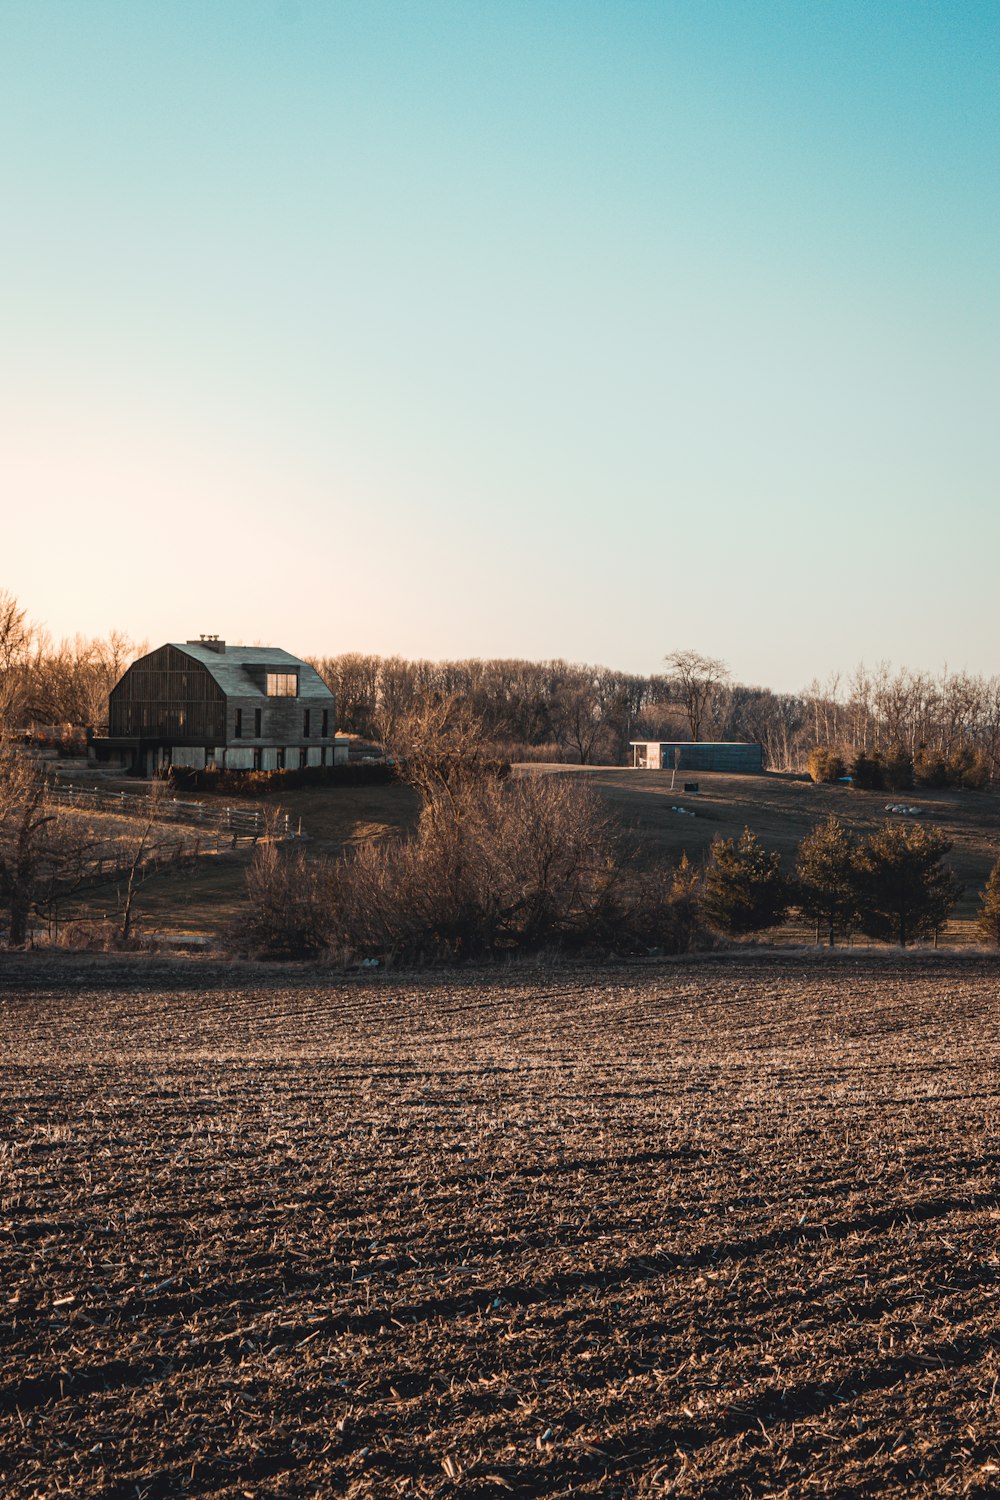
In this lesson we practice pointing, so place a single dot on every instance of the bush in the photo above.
(825, 764)
(494, 868)
(103, 935)
(262, 783)
(491, 869)
(988, 922)
(967, 768)
(930, 768)
(897, 770)
(866, 772)
(288, 905)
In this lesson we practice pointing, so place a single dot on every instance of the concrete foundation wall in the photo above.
(192, 756)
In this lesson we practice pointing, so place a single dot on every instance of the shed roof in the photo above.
(232, 668)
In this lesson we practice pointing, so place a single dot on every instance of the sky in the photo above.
(592, 330)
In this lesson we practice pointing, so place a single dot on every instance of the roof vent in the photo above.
(210, 642)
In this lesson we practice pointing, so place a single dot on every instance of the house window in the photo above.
(256, 723)
(303, 759)
(282, 685)
(238, 731)
(305, 725)
(326, 722)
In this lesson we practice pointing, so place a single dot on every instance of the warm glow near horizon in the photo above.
(531, 330)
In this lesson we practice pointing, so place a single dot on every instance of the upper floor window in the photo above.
(238, 731)
(282, 684)
(306, 718)
(326, 722)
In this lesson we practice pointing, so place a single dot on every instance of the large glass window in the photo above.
(282, 684)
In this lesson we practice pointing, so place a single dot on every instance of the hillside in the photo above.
(781, 810)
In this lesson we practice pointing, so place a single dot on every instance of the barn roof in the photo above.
(233, 669)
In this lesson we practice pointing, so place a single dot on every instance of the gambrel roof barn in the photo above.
(198, 703)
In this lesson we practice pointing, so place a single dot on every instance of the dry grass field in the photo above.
(727, 1227)
(780, 810)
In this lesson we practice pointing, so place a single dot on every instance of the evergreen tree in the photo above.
(745, 890)
(827, 879)
(866, 772)
(989, 912)
(897, 769)
(904, 889)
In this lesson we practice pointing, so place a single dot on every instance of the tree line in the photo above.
(56, 684)
(905, 727)
(945, 728)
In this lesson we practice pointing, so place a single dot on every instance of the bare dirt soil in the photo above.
(727, 1227)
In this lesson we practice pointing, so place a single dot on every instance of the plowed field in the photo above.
(719, 1228)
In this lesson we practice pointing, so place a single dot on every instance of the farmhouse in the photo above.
(204, 703)
(697, 755)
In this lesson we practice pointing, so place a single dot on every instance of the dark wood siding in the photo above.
(168, 696)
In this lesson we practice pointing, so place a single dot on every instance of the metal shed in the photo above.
(698, 755)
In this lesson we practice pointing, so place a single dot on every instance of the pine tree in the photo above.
(904, 889)
(827, 879)
(745, 890)
(989, 912)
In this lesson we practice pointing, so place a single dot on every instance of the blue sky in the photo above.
(506, 329)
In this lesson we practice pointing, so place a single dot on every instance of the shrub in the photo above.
(897, 770)
(288, 905)
(825, 764)
(867, 772)
(988, 922)
(745, 890)
(262, 783)
(930, 768)
(491, 868)
(494, 868)
(967, 768)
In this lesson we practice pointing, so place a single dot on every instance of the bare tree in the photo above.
(697, 679)
(17, 635)
(441, 748)
(43, 852)
(144, 856)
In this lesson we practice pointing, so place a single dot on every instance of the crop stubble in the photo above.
(721, 1228)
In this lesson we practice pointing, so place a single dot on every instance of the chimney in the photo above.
(211, 643)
